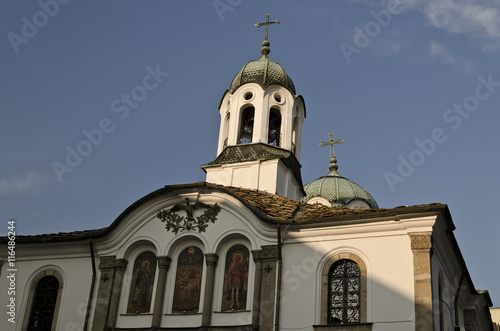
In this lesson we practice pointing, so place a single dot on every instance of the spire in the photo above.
(333, 158)
(265, 44)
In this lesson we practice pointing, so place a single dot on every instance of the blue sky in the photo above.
(413, 88)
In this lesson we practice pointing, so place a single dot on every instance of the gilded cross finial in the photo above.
(267, 23)
(333, 159)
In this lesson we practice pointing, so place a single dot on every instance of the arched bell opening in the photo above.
(225, 132)
(274, 133)
(295, 135)
(245, 133)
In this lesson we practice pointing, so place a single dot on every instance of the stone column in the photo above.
(163, 265)
(119, 267)
(421, 246)
(268, 288)
(206, 318)
(108, 294)
(257, 257)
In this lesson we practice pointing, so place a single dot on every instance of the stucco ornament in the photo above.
(177, 223)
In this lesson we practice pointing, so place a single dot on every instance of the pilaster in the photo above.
(257, 257)
(163, 265)
(421, 246)
(268, 287)
(108, 294)
(211, 261)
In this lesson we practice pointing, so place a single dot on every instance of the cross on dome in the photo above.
(265, 44)
(333, 158)
(267, 23)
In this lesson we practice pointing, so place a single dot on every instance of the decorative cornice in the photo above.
(211, 259)
(257, 255)
(421, 242)
(270, 252)
(163, 262)
(110, 262)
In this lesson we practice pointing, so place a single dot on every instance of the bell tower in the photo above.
(260, 130)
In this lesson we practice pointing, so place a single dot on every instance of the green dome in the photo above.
(263, 72)
(335, 188)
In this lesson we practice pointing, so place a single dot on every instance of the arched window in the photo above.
(246, 126)
(141, 287)
(188, 279)
(344, 282)
(344, 290)
(295, 134)
(274, 134)
(44, 304)
(234, 292)
(226, 130)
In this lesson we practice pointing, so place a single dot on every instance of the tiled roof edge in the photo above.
(343, 213)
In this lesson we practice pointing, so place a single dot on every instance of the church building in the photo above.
(252, 247)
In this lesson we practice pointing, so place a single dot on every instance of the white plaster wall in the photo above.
(269, 176)
(76, 270)
(389, 263)
(220, 175)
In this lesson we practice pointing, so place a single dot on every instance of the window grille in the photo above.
(44, 304)
(344, 293)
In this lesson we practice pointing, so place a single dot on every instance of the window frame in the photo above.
(325, 287)
(31, 296)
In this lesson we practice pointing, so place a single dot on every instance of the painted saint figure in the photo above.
(236, 278)
(141, 289)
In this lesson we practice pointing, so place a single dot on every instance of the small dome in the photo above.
(338, 190)
(263, 72)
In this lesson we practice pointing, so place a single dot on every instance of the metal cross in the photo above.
(331, 142)
(267, 23)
